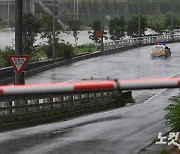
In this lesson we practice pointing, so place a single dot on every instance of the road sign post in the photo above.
(19, 62)
(21, 78)
(18, 35)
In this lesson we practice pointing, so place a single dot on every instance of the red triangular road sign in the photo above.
(18, 62)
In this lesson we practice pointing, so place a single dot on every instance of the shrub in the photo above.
(122, 100)
(165, 151)
(86, 48)
(4, 61)
(173, 113)
(61, 50)
(39, 55)
(64, 50)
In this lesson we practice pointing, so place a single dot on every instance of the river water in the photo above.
(8, 38)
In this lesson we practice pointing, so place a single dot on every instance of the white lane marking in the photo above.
(154, 96)
(175, 74)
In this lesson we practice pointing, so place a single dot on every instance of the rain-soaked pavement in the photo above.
(120, 131)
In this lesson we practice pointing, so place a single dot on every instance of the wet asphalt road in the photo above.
(120, 131)
(135, 63)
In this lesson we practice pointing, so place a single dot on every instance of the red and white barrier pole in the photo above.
(58, 87)
(91, 86)
(149, 83)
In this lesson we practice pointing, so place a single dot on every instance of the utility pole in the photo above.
(102, 24)
(25, 10)
(19, 79)
(53, 55)
(77, 11)
(139, 20)
(172, 19)
(8, 16)
(74, 10)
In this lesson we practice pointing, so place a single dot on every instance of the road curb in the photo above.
(144, 149)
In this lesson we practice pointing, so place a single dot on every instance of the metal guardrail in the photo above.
(38, 98)
(140, 41)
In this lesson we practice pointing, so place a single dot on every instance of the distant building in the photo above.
(39, 7)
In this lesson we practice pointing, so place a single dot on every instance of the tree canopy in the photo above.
(133, 25)
(117, 28)
(30, 29)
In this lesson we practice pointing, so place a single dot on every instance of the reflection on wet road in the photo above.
(135, 63)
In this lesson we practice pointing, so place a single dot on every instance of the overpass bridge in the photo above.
(39, 7)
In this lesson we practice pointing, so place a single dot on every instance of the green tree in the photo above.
(30, 29)
(173, 113)
(4, 61)
(96, 27)
(132, 25)
(47, 32)
(169, 18)
(158, 27)
(1, 21)
(117, 28)
(74, 26)
(1, 18)
(65, 50)
(167, 21)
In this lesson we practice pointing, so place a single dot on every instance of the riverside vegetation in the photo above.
(117, 28)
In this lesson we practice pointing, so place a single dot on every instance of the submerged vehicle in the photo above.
(160, 49)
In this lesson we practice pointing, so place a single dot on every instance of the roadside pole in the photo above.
(172, 20)
(53, 54)
(139, 22)
(19, 79)
(102, 24)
